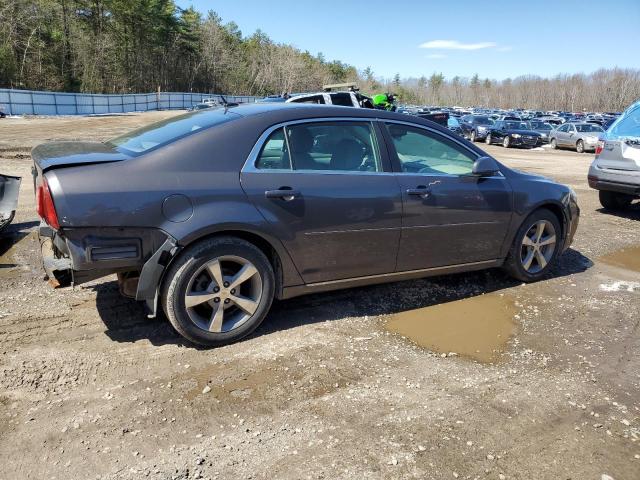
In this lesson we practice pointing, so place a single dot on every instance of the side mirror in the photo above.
(485, 167)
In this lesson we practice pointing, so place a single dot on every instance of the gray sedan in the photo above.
(213, 214)
(582, 137)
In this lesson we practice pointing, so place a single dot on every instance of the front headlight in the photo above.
(516, 135)
(482, 129)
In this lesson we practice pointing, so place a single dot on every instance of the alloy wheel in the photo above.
(538, 246)
(223, 294)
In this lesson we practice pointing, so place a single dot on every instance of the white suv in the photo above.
(615, 171)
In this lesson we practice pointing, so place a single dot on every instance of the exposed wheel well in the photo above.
(557, 211)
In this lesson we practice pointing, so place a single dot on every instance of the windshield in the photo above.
(542, 126)
(517, 125)
(589, 128)
(161, 133)
(482, 121)
(628, 125)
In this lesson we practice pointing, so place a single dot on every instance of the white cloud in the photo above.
(436, 55)
(456, 45)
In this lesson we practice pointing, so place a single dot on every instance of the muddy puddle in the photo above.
(627, 258)
(477, 328)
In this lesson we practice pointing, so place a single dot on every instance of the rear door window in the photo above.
(333, 146)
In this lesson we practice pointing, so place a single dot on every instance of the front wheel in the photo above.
(580, 146)
(488, 139)
(473, 135)
(506, 143)
(535, 247)
(218, 291)
(553, 143)
(614, 200)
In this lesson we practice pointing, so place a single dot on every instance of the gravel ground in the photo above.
(89, 388)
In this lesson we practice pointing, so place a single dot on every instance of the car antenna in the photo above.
(225, 103)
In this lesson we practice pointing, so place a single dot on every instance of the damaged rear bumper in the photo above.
(138, 256)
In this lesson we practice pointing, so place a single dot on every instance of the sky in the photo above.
(496, 39)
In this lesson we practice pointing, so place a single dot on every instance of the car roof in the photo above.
(291, 111)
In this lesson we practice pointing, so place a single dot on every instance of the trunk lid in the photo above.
(70, 154)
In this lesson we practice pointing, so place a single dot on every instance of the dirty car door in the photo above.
(323, 188)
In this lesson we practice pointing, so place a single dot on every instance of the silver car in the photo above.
(582, 137)
(615, 171)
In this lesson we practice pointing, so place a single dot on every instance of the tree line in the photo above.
(124, 46)
(601, 91)
(132, 46)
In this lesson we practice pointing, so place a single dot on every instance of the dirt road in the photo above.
(89, 388)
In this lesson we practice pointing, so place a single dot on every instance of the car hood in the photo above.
(57, 154)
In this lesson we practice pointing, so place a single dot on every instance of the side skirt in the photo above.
(298, 290)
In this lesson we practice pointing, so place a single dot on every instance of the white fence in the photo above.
(29, 102)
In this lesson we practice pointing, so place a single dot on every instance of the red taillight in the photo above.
(599, 147)
(44, 204)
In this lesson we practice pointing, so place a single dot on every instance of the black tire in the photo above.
(5, 223)
(580, 146)
(192, 260)
(488, 139)
(472, 137)
(553, 144)
(513, 264)
(614, 200)
(506, 142)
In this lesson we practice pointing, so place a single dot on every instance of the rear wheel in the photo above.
(553, 143)
(473, 135)
(614, 200)
(218, 291)
(535, 247)
(506, 142)
(580, 146)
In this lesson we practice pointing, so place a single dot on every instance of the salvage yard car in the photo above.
(9, 189)
(212, 214)
(582, 136)
(615, 170)
(513, 133)
(475, 127)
